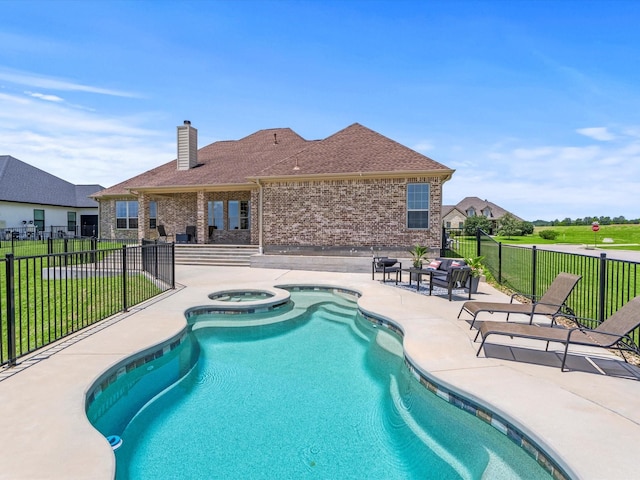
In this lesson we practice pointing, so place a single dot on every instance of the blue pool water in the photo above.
(324, 394)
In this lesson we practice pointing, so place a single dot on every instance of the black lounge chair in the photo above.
(552, 303)
(386, 266)
(612, 333)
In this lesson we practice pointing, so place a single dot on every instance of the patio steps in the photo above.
(217, 255)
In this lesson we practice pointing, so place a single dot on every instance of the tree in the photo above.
(526, 228)
(509, 226)
(472, 224)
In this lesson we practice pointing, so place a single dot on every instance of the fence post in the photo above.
(534, 269)
(124, 278)
(173, 266)
(603, 287)
(499, 263)
(478, 242)
(11, 310)
(49, 245)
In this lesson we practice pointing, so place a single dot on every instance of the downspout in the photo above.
(260, 239)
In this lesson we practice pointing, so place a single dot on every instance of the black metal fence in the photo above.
(44, 298)
(606, 284)
(24, 247)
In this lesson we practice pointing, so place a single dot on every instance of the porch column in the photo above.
(201, 218)
(143, 220)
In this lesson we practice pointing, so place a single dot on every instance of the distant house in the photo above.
(34, 203)
(454, 216)
(353, 191)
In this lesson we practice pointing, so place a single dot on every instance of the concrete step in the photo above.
(218, 255)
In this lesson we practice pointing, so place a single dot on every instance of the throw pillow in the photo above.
(434, 264)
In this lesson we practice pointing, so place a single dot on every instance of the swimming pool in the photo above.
(323, 394)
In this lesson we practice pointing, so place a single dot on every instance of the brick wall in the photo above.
(360, 213)
(107, 214)
(369, 212)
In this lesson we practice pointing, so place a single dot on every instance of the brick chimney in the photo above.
(187, 146)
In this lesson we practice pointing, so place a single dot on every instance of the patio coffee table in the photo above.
(419, 272)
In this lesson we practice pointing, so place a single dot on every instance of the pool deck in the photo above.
(589, 420)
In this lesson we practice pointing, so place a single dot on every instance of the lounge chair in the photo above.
(612, 333)
(552, 303)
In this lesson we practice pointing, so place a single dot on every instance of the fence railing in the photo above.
(44, 298)
(43, 246)
(606, 284)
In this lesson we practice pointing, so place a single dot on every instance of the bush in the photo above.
(548, 234)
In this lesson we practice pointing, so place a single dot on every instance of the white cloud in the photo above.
(80, 146)
(42, 81)
(42, 96)
(423, 147)
(597, 133)
(548, 182)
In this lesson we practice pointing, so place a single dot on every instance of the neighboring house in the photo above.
(454, 216)
(353, 191)
(34, 203)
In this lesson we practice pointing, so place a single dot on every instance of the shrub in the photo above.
(548, 234)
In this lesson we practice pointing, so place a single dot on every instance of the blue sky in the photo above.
(535, 104)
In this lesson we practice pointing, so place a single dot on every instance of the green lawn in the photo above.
(583, 235)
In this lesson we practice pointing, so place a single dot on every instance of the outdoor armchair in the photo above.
(612, 333)
(386, 266)
(456, 278)
(552, 303)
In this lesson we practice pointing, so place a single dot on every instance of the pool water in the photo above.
(322, 395)
(240, 296)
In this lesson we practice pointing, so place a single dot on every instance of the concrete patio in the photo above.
(587, 419)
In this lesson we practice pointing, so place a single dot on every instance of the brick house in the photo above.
(454, 216)
(353, 192)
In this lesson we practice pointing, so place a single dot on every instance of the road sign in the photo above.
(595, 227)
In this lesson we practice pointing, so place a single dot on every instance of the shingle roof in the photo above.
(221, 163)
(355, 149)
(24, 183)
(479, 205)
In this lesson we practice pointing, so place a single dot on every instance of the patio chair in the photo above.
(552, 303)
(456, 278)
(612, 333)
(386, 266)
(162, 232)
(191, 234)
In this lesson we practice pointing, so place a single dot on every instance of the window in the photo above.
(127, 214)
(38, 219)
(71, 221)
(487, 212)
(238, 215)
(153, 214)
(418, 205)
(471, 212)
(216, 214)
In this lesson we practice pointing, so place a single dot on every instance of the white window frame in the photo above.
(418, 201)
(131, 222)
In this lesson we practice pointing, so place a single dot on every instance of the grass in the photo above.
(47, 310)
(583, 235)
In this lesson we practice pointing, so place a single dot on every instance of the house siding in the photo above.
(346, 213)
